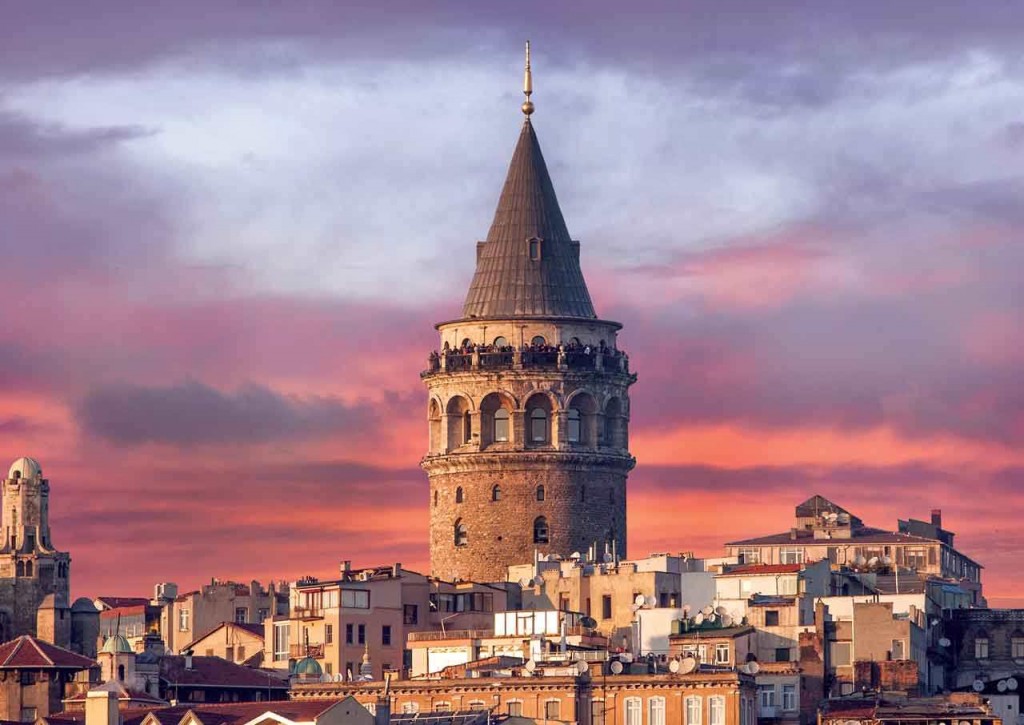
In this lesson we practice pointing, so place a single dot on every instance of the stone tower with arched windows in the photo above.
(528, 398)
(34, 576)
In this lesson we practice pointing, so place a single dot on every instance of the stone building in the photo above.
(195, 613)
(528, 403)
(36, 676)
(34, 575)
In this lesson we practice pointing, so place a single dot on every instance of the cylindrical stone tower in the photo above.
(528, 398)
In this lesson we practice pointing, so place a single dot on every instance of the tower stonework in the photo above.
(528, 405)
(34, 576)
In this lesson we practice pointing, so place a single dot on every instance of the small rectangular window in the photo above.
(515, 708)
(789, 697)
(771, 618)
(535, 250)
(328, 633)
(349, 634)
(362, 634)
(411, 613)
(782, 654)
(552, 709)
(606, 606)
(385, 635)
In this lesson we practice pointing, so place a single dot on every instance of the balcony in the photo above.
(575, 359)
(298, 651)
(437, 635)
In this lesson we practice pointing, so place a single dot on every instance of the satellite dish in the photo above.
(720, 610)
(944, 642)
(582, 666)
(608, 558)
(686, 609)
(859, 561)
(727, 620)
(338, 677)
(588, 622)
(687, 666)
(575, 556)
(1001, 685)
(934, 622)
(978, 685)
(1011, 683)
(707, 611)
(873, 561)
(673, 666)
(753, 668)
(699, 619)
(616, 667)
(524, 583)
(325, 677)
(530, 665)
(538, 581)
(640, 600)
(886, 560)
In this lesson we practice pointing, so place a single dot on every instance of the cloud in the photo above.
(191, 413)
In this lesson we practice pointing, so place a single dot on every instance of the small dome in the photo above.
(117, 645)
(84, 604)
(308, 667)
(25, 467)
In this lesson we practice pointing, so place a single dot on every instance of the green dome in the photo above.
(117, 645)
(308, 667)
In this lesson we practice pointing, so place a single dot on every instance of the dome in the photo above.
(117, 645)
(308, 667)
(25, 467)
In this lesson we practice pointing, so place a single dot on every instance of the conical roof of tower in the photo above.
(509, 280)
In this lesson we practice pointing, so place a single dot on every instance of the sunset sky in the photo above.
(227, 229)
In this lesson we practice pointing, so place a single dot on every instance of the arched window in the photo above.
(500, 341)
(535, 249)
(538, 425)
(458, 422)
(467, 427)
(540, 530)
(538, 340)
(501, 425)
(540, 492)
(435, 497)
(461, 535)
(496, 492)
(459, 495)
(575, 431)
(466, 342)
(28, 568)
(120, 673)
(19, 569)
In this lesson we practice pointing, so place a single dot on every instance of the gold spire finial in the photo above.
(528, 84)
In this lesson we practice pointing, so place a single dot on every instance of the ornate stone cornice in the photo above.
(565, 460)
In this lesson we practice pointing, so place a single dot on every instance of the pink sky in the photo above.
(227, 235)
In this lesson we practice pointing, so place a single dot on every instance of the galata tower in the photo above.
(529, 396)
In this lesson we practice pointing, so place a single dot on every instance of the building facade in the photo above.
(528, 404)
(193, 614)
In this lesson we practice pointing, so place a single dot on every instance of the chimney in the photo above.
(396, 570)
(937, 518)
(346, 568)
(188, 659)
(792, 534)
(382, 715)
(101, 708)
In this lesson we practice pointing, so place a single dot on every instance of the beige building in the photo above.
(824, 531)
(241, 643)
(193, 614)
(372, 612)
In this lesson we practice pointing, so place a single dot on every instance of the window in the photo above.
(540, 492)
(477, 705)
(782, 654)
(442, 706)
(981, 648)
(606, 606)
(361, 630)
(915, 557)
(385, 635)
(281, 639)
(788, 585)
(28, 714)
(721, 654)
(540, 530)
(350, 633)
(535, 250)
(538, 340)
(500, 341)
(716, 710)
(183, 620)
(574, 426)
(1017, 647)
(552, 709)
(410, 708)
(262, 614)
(789, 697)
(241, 615)
(693, 710)
(461, 535)
(898, 650)
(411, 613)
(771, 618)
(656, 711)
(767, 695)
(538, 425)
(467, 427)
(355, 599)
(459, 497)
(329, 634)
(501, 426)
(749, 556)
(597, 712)
(791, 555)
(241, 653)
(514, 708)
(634, 711)
(496, 492)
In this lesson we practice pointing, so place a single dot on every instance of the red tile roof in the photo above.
(748, 569)
(119, 602)
(237, 712)
(215, 672)
(28, 652)
(859, 535)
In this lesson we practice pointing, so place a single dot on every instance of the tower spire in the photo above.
(528, 84)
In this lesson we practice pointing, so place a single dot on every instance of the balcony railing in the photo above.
(298, 651)
(436, 635)
(562, 358)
